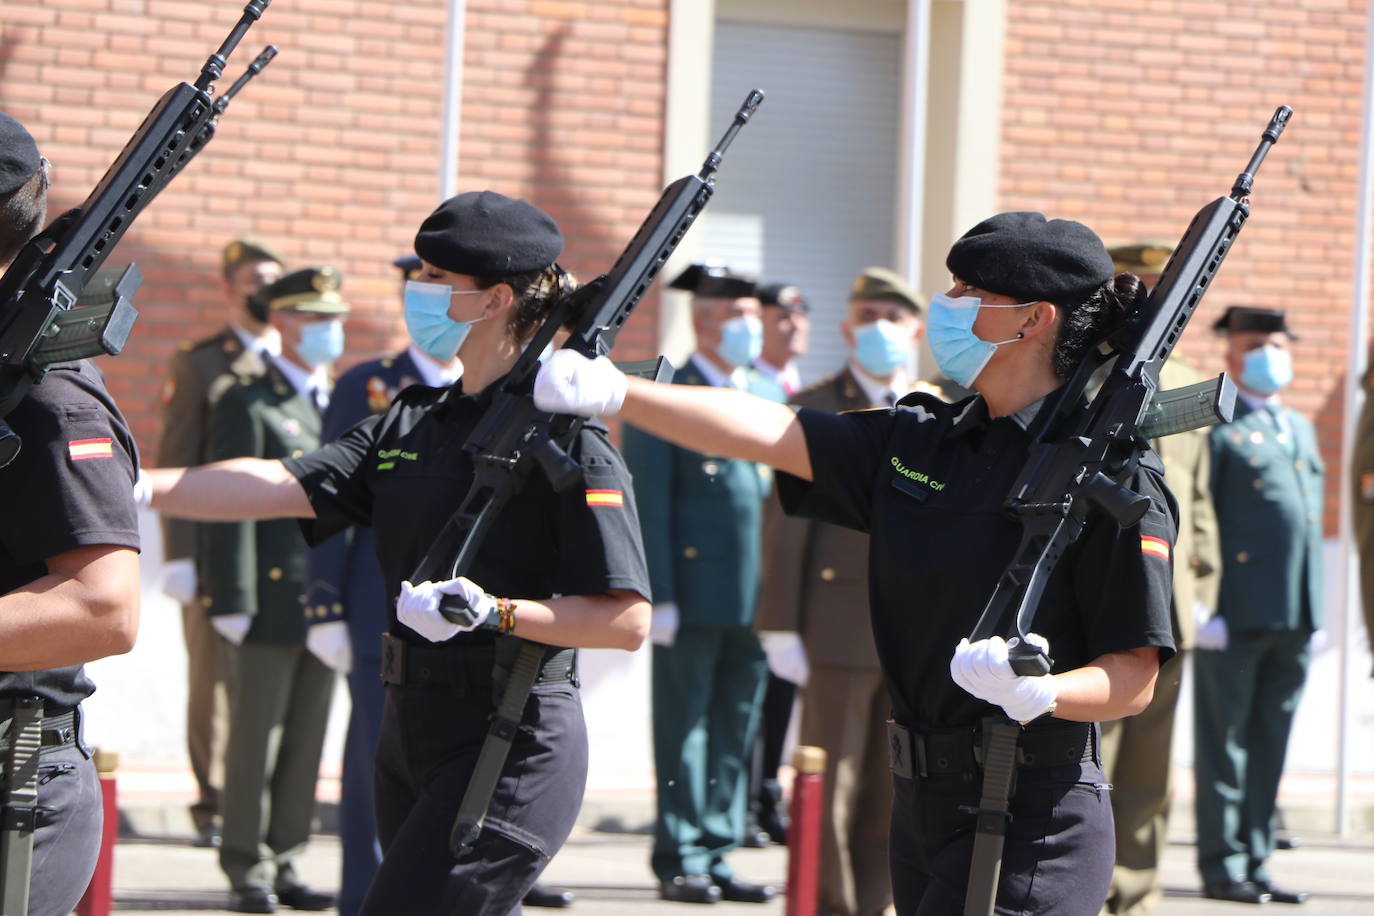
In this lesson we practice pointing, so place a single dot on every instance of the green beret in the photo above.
(310, 289)
(1249, 318)
(714, 281)
(486, 234)
(1031, 259)
(249, 250)
(878, 284)
(1141, 258)
(19, 157)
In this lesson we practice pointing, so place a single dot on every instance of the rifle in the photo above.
(515, 437)
(41, 322)
(1078, 458)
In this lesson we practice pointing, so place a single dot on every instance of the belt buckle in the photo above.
(904, 748)
(393, 660)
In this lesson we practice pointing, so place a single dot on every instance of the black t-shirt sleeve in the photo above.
(334, 479)
(846, 451)
(598, 527)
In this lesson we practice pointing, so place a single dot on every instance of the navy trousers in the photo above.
(362, 854)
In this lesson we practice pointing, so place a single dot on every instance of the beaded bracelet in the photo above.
(505, 608)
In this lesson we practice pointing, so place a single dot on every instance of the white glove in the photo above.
(1213, 635)
(418, 607)
(663, 624)
(179, 580)
(786, 655)
(233, 627)
(571, 383)
(143, 493)
(331, 644)
(982, 669)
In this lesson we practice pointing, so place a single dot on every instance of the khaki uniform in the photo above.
(186, 403)
(1137, 751)
(1363, 465)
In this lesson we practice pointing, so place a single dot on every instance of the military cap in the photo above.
(247, 249)
(310, 289)
(783, 295)
(1249, 318)
(714, 281)
(1141, 258)
(19, 157)
(878, 284)
(409, 265)
(486, 234)
(1029, 258)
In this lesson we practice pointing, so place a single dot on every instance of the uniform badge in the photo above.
(1367, 486)
(378, 395)
(1154, 547)
(82, 449)
(291, 426)
(606, 498)
(1256, 437)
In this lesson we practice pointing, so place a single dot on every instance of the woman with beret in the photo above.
(561, 569)
(928, 480)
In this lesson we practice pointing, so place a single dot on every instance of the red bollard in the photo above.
(804, 832)
(99, 897)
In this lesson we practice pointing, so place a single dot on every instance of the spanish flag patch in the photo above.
(1156, 547)
(81, 449)
(605, 498)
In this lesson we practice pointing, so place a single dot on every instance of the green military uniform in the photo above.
(281, 704)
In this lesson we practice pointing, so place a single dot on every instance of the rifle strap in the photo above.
(20, 806)
(999, 779)
(472, 811)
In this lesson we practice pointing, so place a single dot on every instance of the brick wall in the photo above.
(1131, 116)
(332, 153)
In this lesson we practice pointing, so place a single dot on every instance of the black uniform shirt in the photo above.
(70, 486)
(928, 480)
(404, 473)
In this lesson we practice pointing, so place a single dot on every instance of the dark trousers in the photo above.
(778, 699)
(429, 743)
(66, 841)
(362, 853)
(1059, 848)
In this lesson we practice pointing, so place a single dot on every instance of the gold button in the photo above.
(296, 452)
(206, 601)
(828, 574)
(338, 608)
(274, 573)
(690, 553)
(1243, 557)
(710, 467)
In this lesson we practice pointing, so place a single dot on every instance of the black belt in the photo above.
(59, 728)
(467, 668)
(913, 752)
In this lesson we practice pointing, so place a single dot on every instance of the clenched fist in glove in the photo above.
(983, 669)
(570, 383)
(418, 607)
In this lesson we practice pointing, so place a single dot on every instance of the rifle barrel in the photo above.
(1245, 179)
(746, 111)
(214, 66)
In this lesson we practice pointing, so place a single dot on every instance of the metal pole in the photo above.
(1349, 592)
(453, 98)
(911, 188)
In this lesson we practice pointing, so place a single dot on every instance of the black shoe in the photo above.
(1285, 842)
(1280, 896)
(737, 891)
(553, 897)
(252, 898)
(206, 837)
(302, 897)
(755, 837)
(771, 821)
(690, 889)
(1236, 892)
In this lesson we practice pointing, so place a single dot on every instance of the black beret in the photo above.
(1029, 258)
(714, 281)
(785, 296)
(409, 266)
(310, 289)
(486, 234)
(1249, 318)
(19, 157)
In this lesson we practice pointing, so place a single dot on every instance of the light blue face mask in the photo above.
(960, 353)
(321, 342)
(881, 347)
(426, 313)
(1267, 369)
(741, 340)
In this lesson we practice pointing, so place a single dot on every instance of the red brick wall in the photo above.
(332, 153)
(1131, 116)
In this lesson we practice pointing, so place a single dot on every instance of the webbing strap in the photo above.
(20, 803)
(999, 775)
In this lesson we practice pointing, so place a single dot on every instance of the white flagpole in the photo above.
(916, 77)
(453, 99)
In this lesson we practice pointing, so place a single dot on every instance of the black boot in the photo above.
(772, 820)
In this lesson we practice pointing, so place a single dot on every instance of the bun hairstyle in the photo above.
(1088, 321)
(536, 293)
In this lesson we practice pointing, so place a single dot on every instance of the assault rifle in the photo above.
(515, 437)
(1078, 459)
(41, 322)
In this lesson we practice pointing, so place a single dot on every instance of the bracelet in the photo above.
(505, 609)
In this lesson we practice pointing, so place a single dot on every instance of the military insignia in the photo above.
(710, 468)
(608, 498)
(81, 449)
(1256, 437)
(1367, 486)
(325, 279)
(1154, 547)
(378, 395)
(169, 390)
(291, 426)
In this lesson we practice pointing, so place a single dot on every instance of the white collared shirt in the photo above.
(714, 377)
(788, 378)
(878, 394)
(311, 383)
(268, 343)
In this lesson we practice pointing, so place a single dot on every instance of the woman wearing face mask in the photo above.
(927, 480)
(563, 569)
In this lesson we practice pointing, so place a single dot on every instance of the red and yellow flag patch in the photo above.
(605, 498)
(81, 449)
(1155, 547)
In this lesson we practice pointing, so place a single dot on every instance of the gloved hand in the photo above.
(786, 655)
(1213, 635)
(982, 669)
(663, 623)
(331, 644)
(418, 607)
(179, 580)
(571, 383)
(143, 493)
(233, 627)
